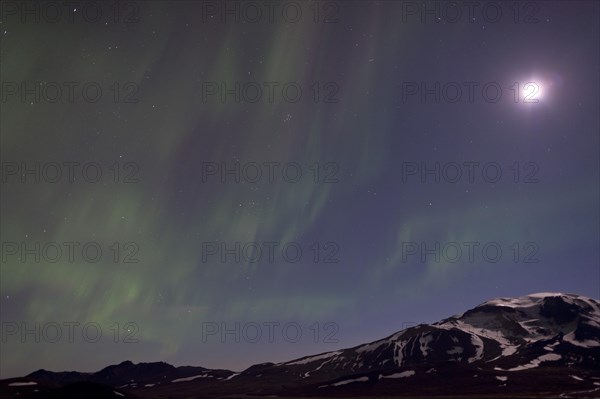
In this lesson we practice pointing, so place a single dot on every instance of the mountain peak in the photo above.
(538, 298)
(126, 363)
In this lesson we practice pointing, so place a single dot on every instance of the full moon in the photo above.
(532, 92)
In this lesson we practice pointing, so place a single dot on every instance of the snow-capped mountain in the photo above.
(501, 334)
(495, 340)
(540, 343)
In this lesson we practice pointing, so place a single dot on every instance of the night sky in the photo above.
(374, 137)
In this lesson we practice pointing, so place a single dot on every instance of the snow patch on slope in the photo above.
(191, 378)
(550, 357)
(424, 344)
(337, 384)
(313, 358)
(570, 338)
(456, 350)
(403, 374)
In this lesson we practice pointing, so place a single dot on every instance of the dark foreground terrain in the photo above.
(537, 346)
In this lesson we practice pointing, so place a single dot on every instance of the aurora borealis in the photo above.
(371, 135)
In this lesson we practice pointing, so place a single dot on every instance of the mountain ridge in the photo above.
(549, 340)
